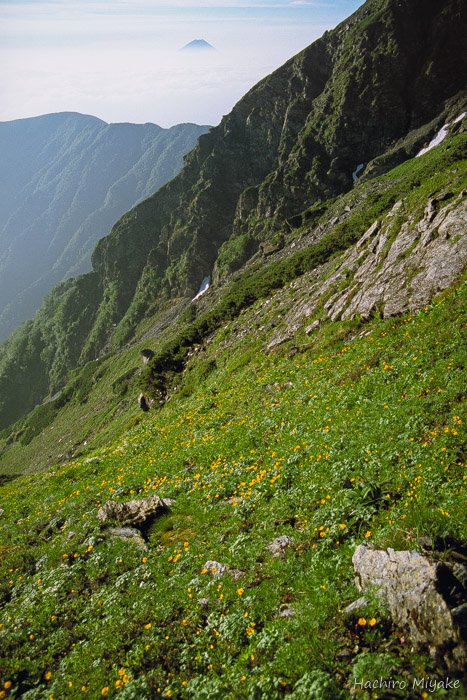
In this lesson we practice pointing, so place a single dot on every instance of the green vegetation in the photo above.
(355, 439)
(78, 388)
(234, 253)
(413, 180)
(95, 406)
(272, 166)
(109, 403)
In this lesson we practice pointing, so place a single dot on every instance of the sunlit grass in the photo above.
(356, 439)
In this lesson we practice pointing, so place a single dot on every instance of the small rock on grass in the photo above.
(130, 534)
(134, 513)
(217, 569)
(277, 546)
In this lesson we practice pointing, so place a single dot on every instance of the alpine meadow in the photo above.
(232, 455)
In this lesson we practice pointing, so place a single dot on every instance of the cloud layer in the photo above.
(119, 59)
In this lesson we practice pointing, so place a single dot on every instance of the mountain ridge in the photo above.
(66, 179)
(386, 248)
(239, 128)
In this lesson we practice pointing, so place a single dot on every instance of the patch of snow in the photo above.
(205, 284)
(461, 116)
(439, 138)
(356, 171)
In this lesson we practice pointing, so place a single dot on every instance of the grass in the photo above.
(357, 435)
(353, 439)
(93, 408)
(96, 403)
(415, 181)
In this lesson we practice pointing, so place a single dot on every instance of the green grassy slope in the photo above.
(101, 397)
(415, 181)
(288, 146)
(354, 438)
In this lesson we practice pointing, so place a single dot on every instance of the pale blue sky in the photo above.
(119, 59)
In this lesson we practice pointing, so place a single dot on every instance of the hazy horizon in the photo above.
(120, 60)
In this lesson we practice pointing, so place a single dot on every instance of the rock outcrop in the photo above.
(143, 403)
(146, 355)
(278, 546)
(390, 270)
(218, 569)
(128, 534)
(139, 514)
(393, 275)
(418, 593)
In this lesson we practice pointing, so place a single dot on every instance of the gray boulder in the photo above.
(279, 545)
(128, 534)
(312, 327)
(217, 569)
(146, 355)
(143, 403)
(134, 513)
(286, 612)
(418, 593)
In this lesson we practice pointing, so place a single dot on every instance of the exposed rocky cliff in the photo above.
(393, 269)
(361, 99)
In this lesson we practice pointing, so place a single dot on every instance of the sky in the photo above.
(120, 60)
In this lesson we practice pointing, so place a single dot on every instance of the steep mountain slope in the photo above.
(373, 92)
(65, 179)
(292, 142)
(385, 248)
(277, 466)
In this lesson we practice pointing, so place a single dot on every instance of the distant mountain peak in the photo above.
(198, 45)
